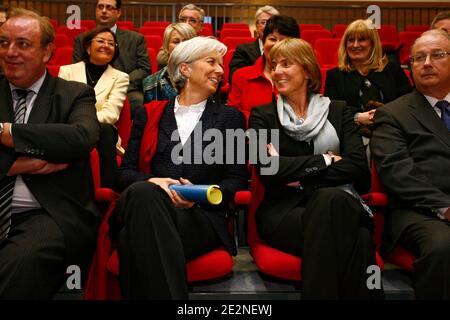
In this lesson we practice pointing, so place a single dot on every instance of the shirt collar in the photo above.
(261, 46)
(197, 108)
(35, 87)
(433, 100)
(114, 28)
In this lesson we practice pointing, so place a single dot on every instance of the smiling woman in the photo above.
(365, 79)
(110, 85)
(158, 230)
(310, 206)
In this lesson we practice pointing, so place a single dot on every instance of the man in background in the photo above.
(247, 53)
(193, 15)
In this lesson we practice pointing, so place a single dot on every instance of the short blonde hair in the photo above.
(301, 52)
(188, 52)
(184, 29)
(362, 29)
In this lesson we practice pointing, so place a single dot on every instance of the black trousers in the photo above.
(32, 258)
(429, 240)
(155, 240)
(106, 147)
(332, 234)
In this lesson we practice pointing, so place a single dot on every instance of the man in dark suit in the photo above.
(193, 15)
(48, 127)
(247, 53)
(133, 58)
(411, 149)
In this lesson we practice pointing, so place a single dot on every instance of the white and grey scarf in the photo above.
(315, 127)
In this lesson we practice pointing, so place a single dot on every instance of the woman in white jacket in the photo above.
(110, 87)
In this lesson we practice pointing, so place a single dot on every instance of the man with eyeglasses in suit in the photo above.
(48, 127)
(247, 53)
(411, 150)
(133, 57)
(193, 15)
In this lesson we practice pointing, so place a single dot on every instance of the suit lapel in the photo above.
(168, 122)
(208, 118)
(79, 72)
(425, 114)
(44, 101)
(121, 60)
(256, 52)
(351, 83)
(6, 103)
(105, 81)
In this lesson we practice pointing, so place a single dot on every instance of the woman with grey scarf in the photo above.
(311, 208)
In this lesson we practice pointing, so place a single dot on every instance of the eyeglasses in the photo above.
(261, 22)
(108, 7)
(434, 56)
(187, 20)
(103, 42)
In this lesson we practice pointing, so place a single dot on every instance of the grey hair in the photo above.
(266, 9)
(188, 52)
(192, 6)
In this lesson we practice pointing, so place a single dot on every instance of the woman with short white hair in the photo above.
(158, 230)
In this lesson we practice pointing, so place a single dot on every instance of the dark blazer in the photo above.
(245, 55)
(133, 58)
(298, 163)
(62, 128)
(411, 150)
(230, 178)
(340, 85)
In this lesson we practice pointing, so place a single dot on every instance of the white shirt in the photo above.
(187, 118)
(23, 199)
(261, 46)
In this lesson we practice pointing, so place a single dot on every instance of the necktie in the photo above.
(444, 106)
(7, 183)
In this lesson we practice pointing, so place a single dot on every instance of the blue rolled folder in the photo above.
(199, 193)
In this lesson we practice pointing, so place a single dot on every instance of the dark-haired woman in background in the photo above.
(252, 86)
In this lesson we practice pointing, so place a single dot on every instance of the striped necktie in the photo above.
(444, 106)
(7, 183)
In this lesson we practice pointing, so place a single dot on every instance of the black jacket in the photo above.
(298, 163)
(230, 177)
(62, 128)
(340, 85)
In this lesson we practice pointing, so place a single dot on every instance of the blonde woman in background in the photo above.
(364, 78)
(158, 86)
